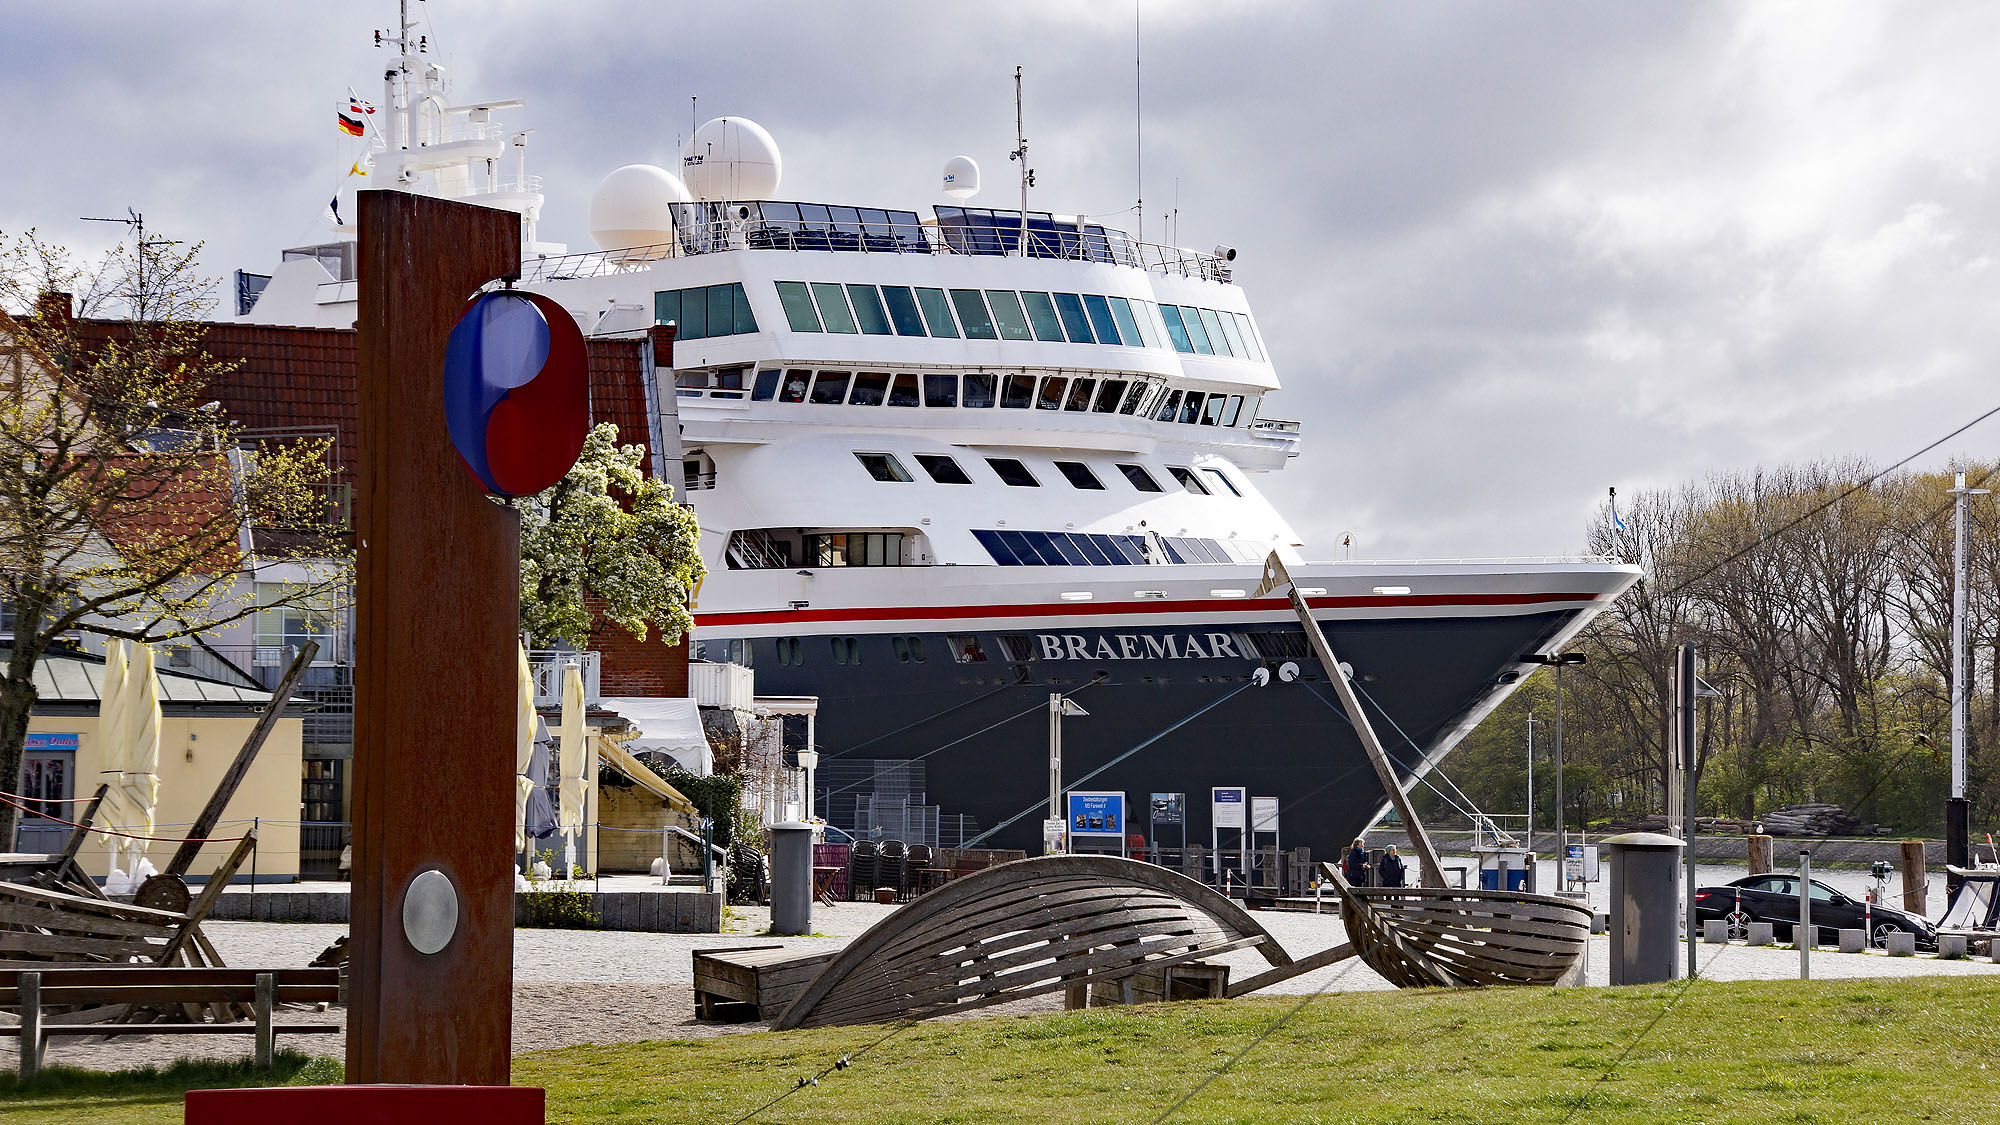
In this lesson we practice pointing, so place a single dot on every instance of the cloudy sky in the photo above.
(1505, 255)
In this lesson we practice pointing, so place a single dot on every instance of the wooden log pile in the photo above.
(1815, 820)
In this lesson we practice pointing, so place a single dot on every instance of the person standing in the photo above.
(1355, 867)
(1392, 868)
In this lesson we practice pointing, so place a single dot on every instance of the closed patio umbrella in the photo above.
(524, 749)
(113, 757)
(571, 741)
(141, 781)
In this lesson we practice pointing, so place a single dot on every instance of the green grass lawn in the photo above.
(1908, 1050)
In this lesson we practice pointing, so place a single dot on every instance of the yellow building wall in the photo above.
(194, 753)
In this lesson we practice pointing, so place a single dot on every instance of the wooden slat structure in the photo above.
(751, 982)
(1419, 937)
(1048, 924)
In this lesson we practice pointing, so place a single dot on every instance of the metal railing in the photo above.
(546, 666)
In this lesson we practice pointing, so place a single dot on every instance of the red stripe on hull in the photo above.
(1105, 609)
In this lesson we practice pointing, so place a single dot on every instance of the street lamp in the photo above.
(1559, 660)
(809, 761)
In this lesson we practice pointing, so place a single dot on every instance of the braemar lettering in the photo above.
(1135, 646)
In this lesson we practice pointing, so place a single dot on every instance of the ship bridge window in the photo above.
(1138, 395)
(1188, 480)
(903, 310)
(1128, 328)
(833, 309)
(1109, 397)
(1042, 315)
(1213, 324)
(1061, 548)
(937, 313)
(1176, 330)
(868, 310)
(979, 388)
(1052, 393)
(1019, 393)
(1197, 334)
(1079, 394)
(1170, 407)
(1140, 478)
(869, 388)
(1226, 482)
(1231, 412)
(705, 310)
(943, 469)
(767, 385)
(1234, 337)
(884, 467)
(1012, 472)
(1074, 321)
(972, 314)
(1101, 319)
(830, 388)
(1079, 474)
(1191, 408)
(1007, 314)
(796, 380)
(1250, 337)
(1211, 411)
(903, 392)
(940, 390)
(798, 304)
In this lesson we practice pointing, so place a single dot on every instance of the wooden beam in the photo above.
(211, 814)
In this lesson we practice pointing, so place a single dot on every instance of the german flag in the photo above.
(351, 125)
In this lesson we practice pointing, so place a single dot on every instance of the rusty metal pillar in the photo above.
(438, 587)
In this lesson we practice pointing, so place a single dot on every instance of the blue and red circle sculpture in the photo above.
(516, 391)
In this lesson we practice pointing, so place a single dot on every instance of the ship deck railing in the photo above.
(722, 228)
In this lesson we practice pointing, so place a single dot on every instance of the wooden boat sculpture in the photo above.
(1023, 929)
(1424, 937)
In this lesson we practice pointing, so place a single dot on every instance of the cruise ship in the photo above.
(949, 464)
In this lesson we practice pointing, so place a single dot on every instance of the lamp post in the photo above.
(809, 761)
(1559, 660)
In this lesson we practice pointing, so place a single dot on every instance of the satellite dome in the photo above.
(630, 209)
(731, 158)
(961, 177)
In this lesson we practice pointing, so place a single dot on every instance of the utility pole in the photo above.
(1530, 845)
(1958, 810)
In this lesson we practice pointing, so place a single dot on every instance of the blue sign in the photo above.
(51, 742)
(1097, 814)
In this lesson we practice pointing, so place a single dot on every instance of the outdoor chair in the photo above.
(893, 867)
(861, 870)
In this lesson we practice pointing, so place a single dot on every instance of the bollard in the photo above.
(1951, 947)
(1916, 885)
(1760, 854)
(1761, 933)
(791, 879)
(1902, 943)
(1805, 935)
(1993, 951)
(1853, 941)
(1715, 931)
(1645, 907)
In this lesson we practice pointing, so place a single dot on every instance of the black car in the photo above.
(1775, 899)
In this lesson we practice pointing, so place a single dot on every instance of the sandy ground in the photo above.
(575, 987)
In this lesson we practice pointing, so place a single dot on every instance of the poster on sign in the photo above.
(1097, 814)
(1167, 807)
(1263, 814)
(1229, 802)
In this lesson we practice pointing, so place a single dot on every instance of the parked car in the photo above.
(1775, 899)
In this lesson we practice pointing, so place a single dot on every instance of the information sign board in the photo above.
(1097, 814)
(1228, 803)
(1263, 814)
(1168, 808)
(1573, 863)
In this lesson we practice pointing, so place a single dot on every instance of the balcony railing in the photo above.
(546, 665)
(722, 685)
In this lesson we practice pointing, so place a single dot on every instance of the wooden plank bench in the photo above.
(111, 991)
(751, 982)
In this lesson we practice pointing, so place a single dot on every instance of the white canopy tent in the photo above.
(669, 726)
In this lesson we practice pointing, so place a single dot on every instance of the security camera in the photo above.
(1226, 253)
(744, 213)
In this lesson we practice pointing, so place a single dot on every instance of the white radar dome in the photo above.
(961, 177)
(630, 209)
(731, 158)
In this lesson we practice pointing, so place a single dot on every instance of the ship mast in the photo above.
(1020, 153)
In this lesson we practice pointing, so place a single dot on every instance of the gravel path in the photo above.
(604, 987)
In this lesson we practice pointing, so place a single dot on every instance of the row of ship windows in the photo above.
(705, 310)
(1075, 548)
(1277, 644)
(1004, 314)
(886, 467)
(1075, 394)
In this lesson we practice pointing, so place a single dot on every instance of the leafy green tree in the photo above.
(607, 544)
(124, 495)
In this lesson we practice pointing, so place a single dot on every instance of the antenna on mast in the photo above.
(1020, 153)
(1138, 126)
